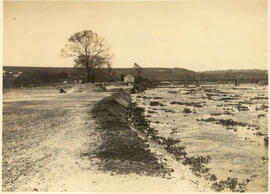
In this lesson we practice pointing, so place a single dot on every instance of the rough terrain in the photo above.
(50, 143)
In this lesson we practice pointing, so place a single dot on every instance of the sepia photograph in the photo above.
(135, 96)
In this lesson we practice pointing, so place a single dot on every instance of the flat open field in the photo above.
(44, 133)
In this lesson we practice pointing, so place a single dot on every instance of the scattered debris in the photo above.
(62, 90)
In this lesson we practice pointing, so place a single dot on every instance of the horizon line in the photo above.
(141, 67)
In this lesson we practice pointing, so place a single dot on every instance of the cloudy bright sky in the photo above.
(194, 34)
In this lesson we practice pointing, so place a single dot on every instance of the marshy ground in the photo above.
(227, 123)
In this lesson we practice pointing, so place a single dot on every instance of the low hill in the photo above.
(16, 76)
(157, 74)
(250, 75)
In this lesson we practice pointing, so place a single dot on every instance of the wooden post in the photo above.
(197, 83)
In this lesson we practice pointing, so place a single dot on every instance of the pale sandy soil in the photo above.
(45, 138)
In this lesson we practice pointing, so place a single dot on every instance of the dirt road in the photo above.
(49, 144)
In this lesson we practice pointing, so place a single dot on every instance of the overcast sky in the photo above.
(194, 34)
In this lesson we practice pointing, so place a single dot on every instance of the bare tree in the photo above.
(89, 50)
(138, 69)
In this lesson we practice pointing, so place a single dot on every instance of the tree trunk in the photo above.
(88, 76)
(88, 71)
(92, 76)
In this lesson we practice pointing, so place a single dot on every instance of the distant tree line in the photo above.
(250, 76)
(40, 76)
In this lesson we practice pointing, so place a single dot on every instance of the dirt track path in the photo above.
(44, 157)
(49, 144)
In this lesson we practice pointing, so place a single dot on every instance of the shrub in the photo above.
(142, 84)
(154, 103)
(187, 110)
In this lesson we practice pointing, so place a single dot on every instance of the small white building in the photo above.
(129, 79)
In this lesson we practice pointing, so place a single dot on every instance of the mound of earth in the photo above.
(88, 87)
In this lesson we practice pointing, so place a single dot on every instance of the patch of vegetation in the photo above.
(187, 110)
(226, 122)
(177, 151)
(194, 104)
(157, 98)
(172, 92)
(142, 84)
(145, 97)
(241, 107)
(258, 133)
(173, 146)
(169, 142)
(168, 110)
(197, 164)
(121, 150)
(155, 103)
(230, 183)
(261, 116)
(211, 119)
(262, 107)
(245, 102)
(230, 122)
(173, 131)
(259, 98)
(136, 117)
(266, 141)
(264, 158)
(223, 113)
(227, 99)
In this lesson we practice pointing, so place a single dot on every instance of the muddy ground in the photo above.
(226, 122)
(67, 142)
